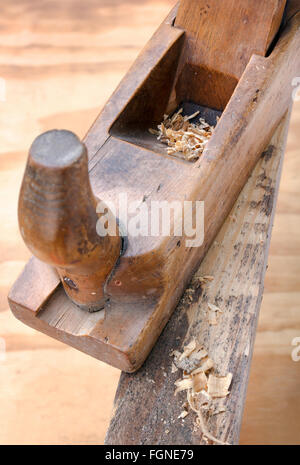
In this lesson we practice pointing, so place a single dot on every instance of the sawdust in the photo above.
(184, 139)
(174, 368)
(183, 414)
(194, 290)
(203, 386)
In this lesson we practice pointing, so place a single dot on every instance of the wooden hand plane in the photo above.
(233, 64)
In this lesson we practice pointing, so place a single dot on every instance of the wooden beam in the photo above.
(145, 410)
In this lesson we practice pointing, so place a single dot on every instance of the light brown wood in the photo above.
(221, 37)
(48, 59)
(163, 265)
(145, 409)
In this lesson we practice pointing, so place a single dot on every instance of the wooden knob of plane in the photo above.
(57, 218)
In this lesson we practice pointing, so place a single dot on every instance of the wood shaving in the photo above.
(188, 349)
(204, 367)
(217, 411)
(174, 368)
(214, 308)
(183, 414)
(194, 291)
(184, 139)
(204, 400)
(213, 314)
(202, 385)
(218, 386)
(212, 318)
(190, 358)
(199, 382)
(205, 279)
(200, 421)
(183, 385)
(175, 353)
(198, 354)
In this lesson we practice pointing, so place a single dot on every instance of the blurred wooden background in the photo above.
(61, 60)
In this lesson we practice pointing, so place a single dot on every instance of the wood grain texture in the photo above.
(237, 260)
(50, 52)
(220, 40)
(149, 278)
(60, 64)
(224, 36)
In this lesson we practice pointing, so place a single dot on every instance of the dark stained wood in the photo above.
(150, 277)
(145, 409)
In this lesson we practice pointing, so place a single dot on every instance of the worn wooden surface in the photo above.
(149, 277)
(145, 410)
(49, 52)
(221, 38)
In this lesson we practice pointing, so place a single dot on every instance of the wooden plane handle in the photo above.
(58, 219)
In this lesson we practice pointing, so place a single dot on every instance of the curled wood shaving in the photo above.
(198, 354)
(188, 349)
(174, 368)
(212, 318)
(204, 400)
(201, 384)
(218, 386)
(204, 367)
(213, 314)
(182, 136)
(200, 421)
(217, 411)
(183, 385)
(214, 308)
(175, 353)
(190, 362)
(205, 279)
(183, 414)
(191, 293)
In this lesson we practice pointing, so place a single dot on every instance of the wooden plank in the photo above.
(145, 410)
